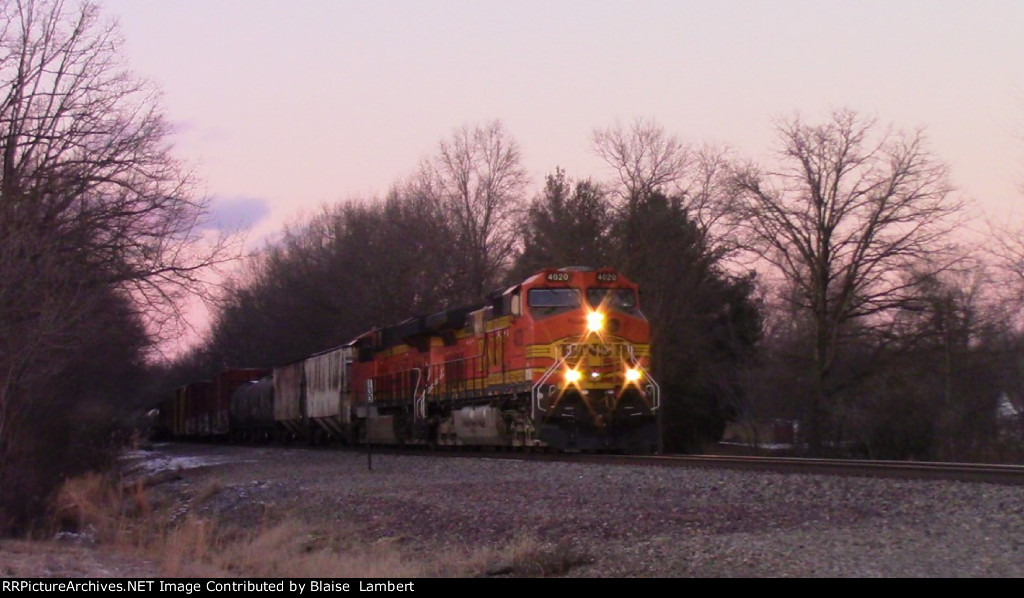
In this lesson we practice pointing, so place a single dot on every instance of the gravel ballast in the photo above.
(630, 521)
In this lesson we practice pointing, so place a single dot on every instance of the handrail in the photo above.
(535, 391)
(654, 390)
(421, 401)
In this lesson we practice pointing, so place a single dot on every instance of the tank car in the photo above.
(252, 411)
(223, 387)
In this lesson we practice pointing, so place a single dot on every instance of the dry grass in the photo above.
(130, 520)
(294, 549)
(526, 557)
(93, 504)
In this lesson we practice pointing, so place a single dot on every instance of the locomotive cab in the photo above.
(596, 392)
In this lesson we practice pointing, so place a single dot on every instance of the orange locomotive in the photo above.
(560, 360)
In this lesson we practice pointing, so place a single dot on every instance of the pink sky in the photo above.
(285, 105)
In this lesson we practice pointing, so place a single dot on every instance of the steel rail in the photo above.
(965, 472)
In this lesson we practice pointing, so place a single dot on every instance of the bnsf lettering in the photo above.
(595, 350)
(558, 276)
(607, 276)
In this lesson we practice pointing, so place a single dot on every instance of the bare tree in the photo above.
(96, 213)
(847, 213)
(645, 157)
(86, 158)
(1004, 245)
(706, 191)
(478, 178)
(669, 235)
(41, 303)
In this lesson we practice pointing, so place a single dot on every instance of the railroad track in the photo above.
(964, 472)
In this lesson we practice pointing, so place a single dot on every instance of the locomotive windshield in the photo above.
(546, 302)
(622, 300)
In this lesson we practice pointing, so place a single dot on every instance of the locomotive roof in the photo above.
(444, 320)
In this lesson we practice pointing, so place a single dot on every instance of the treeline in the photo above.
(836, 289)
(871, 321)
(460, 229)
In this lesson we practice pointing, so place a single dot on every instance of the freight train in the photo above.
(559, 361)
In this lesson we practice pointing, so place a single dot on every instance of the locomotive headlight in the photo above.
(572, 376)
(595, 321)
(633, 375)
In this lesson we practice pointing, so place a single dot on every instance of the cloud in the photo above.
(236, 213)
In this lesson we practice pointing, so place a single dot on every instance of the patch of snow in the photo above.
(151, 462)
(1007, 409)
